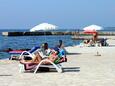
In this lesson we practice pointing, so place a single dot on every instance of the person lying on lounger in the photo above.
(54, 55)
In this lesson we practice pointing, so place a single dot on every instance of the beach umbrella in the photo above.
(92, 29)
(43, 27)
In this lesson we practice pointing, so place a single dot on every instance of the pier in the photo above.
(73, 33)
(35, 33)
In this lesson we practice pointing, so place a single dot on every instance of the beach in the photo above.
(81, 30)
(83, 68)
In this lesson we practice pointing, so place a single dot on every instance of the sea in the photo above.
(27, 42)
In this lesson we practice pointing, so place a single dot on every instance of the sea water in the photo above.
(27, 42)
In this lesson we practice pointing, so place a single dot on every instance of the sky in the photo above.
(25, 14)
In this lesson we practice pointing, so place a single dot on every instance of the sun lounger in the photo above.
(15, 54)
(57, 66)
(29, 53)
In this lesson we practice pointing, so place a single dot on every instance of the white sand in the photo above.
(88, 70)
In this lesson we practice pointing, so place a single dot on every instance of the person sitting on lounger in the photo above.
(61, 49)
(60, 45)
(51, 54)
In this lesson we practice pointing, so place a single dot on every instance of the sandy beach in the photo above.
(84, 29)
(83, 68)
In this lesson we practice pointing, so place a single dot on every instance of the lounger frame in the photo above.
(58, 66)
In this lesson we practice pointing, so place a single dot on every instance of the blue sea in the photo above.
(27, 42)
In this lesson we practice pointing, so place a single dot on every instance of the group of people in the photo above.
(94, 41)
(55, 55)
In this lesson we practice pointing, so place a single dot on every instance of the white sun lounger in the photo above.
(58, 66)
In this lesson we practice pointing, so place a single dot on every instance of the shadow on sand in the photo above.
(74, 53)
(5, 75)
(71, 69)
(65, 69)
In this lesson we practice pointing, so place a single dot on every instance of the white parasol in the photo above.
(43, 27)
(92, 29)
